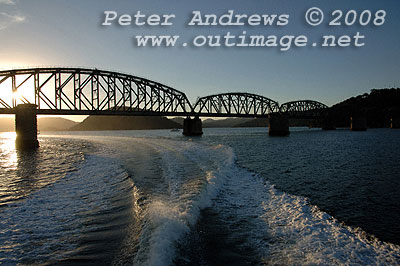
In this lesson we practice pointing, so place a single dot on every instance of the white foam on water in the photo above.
(282, 228)
(194, 174)
(286, 230)
(47, 224)
(302, 234)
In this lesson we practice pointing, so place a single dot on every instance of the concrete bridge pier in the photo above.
(358, 123)
(278, 125)
(192, 127)
(26, 126)
(395, 122)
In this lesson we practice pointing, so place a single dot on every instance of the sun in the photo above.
(17, 61)
(7, 95)
(24, 93)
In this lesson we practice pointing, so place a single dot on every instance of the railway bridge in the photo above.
(81, 91)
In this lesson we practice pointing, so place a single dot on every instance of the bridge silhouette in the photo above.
(83, 91)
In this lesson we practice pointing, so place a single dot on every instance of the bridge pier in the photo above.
(192, 127)
(395, 122)
(278, 125)
(26, 126)
(358, 123)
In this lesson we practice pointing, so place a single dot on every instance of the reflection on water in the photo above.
(23, 171)
(59, 205)
(8, 164)
(27, 178)
(7, 148)
(19, 174)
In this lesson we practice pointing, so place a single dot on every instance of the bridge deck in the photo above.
(130, 113)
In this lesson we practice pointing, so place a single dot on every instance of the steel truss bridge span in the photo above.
(83, 91)
(235, 105)
(304, 109)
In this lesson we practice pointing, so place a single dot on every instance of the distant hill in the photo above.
(245, 122)
(55, 124)
(254, 122)
(208, 122)
(178, 120)
(92, 123)
(228, 122)
(378, 106)
(263, 122)
(44, 124)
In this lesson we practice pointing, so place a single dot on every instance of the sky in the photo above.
(36, 33)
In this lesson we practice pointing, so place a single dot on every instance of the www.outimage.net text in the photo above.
(236, 36)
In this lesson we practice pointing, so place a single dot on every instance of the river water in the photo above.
(231, 197)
